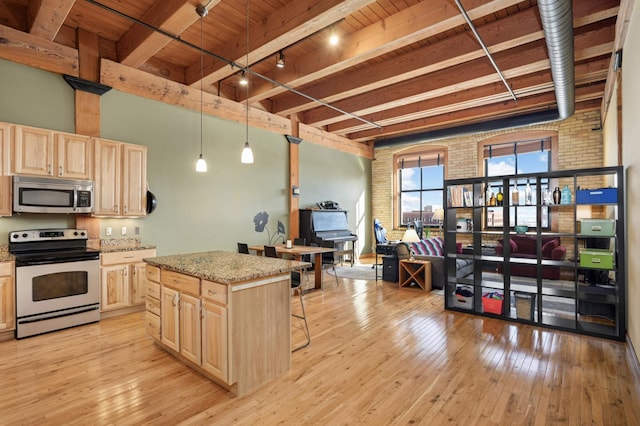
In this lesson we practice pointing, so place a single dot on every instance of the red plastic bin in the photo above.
(492, 305)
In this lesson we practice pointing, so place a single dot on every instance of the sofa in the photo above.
(432, 249)
(524, 246)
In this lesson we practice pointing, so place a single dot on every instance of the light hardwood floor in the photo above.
(379, 355)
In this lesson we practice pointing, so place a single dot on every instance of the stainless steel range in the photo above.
(57, 280)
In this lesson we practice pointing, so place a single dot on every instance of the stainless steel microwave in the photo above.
(52, 195)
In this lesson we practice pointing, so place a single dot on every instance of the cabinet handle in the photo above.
(49, 169)
(60, 171)
(175, 300)
(125, 209)
(211, 292)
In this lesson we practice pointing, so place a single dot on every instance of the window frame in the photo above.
(412, 154)
(522, 137)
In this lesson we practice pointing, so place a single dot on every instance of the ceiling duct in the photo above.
(557, 23)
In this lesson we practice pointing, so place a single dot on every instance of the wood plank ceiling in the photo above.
(408, 66)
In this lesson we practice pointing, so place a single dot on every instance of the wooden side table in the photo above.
(415, 271)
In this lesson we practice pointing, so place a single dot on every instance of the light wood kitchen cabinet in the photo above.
(42, 152)
(5, 170)
(190, 328)
(215, 344)
(120, 179)
(7, 297)
(123, 278)
(170, 318)
(152, 301)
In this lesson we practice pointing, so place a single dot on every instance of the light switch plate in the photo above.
(124, 230)
(109, 231)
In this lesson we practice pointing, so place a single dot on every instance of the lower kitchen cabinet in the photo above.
(7, 297)
(123, 279)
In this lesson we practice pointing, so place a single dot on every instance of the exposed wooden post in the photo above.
(294, 180)
(87, 114)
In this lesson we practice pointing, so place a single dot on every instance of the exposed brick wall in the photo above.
(579, 146)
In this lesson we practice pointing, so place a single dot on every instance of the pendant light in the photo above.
(247, 153)
(201, 164)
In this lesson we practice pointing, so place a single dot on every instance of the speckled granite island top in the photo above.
(225, 267)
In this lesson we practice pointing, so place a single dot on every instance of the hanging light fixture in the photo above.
(280, 60)
(243, 78)
(201, 164)
(247, 153)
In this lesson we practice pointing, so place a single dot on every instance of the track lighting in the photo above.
(243, 79)
(280, 60)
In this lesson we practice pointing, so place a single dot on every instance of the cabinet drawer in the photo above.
(6, 269)
(153, 305)
(118, 257)
(214, 291)
(153, 273)
(153, 290)
(153, 325)
(181, 282)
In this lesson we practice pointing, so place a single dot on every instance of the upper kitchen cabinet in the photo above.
(120, 179)
(5, 179)
(43, 152)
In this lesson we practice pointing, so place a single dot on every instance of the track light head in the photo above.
(243, 79)
(280, 60)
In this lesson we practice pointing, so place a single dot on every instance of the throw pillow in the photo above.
(429, 247)
(548, 247)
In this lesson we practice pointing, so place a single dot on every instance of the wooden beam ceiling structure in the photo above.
(401, 67)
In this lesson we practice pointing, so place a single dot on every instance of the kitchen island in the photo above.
(226, 315)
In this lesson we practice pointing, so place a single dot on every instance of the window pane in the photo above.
(503, 165)
(532, 162)
(432, 178)
(409, 206)
(409, 179)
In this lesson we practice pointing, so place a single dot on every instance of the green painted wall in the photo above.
(210, 211)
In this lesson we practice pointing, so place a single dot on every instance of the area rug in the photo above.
(356, 272)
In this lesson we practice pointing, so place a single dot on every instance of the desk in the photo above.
(415, 271)
(297, 252)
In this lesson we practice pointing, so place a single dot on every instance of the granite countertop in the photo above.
(123, 244)
(5, 256)
(225, 267)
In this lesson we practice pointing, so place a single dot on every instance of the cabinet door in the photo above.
(107, 177)
(5, 170)
(134, 180)
(215, 357)
(7, 304)
(33, 151)
(138, 283)
(74, 159)
(115, 287)
(190, 330)
(170, 318)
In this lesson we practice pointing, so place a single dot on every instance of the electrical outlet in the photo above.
(109, 231)
(124, 230)
(136, 230)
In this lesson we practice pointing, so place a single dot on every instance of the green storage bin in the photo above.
(596, 258)
(598, 227)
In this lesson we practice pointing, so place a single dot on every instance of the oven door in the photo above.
(57, 287)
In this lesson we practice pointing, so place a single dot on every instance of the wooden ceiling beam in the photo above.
(140, 83)
(36, 52)
(500, 35)
(541, 102)
(293, 22)
(524, 86)
(408, 26)
(47, 16)
(139, 44)
(513, 63)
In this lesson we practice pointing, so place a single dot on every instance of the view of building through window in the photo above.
(516, 158)
(420, 195)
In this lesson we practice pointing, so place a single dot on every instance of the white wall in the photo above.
(631, 161)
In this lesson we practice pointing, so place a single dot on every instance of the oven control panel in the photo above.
(47, 235)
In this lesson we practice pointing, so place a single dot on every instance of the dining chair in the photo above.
(329, 259)
(243, 248)
(270, 251)
(296, 285)
(304, 257)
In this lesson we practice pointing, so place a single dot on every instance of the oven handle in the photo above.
(28, 321)
(49, 262)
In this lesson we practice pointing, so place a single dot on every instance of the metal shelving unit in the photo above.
(558, 293)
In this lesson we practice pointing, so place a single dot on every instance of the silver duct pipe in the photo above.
(557, 23)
